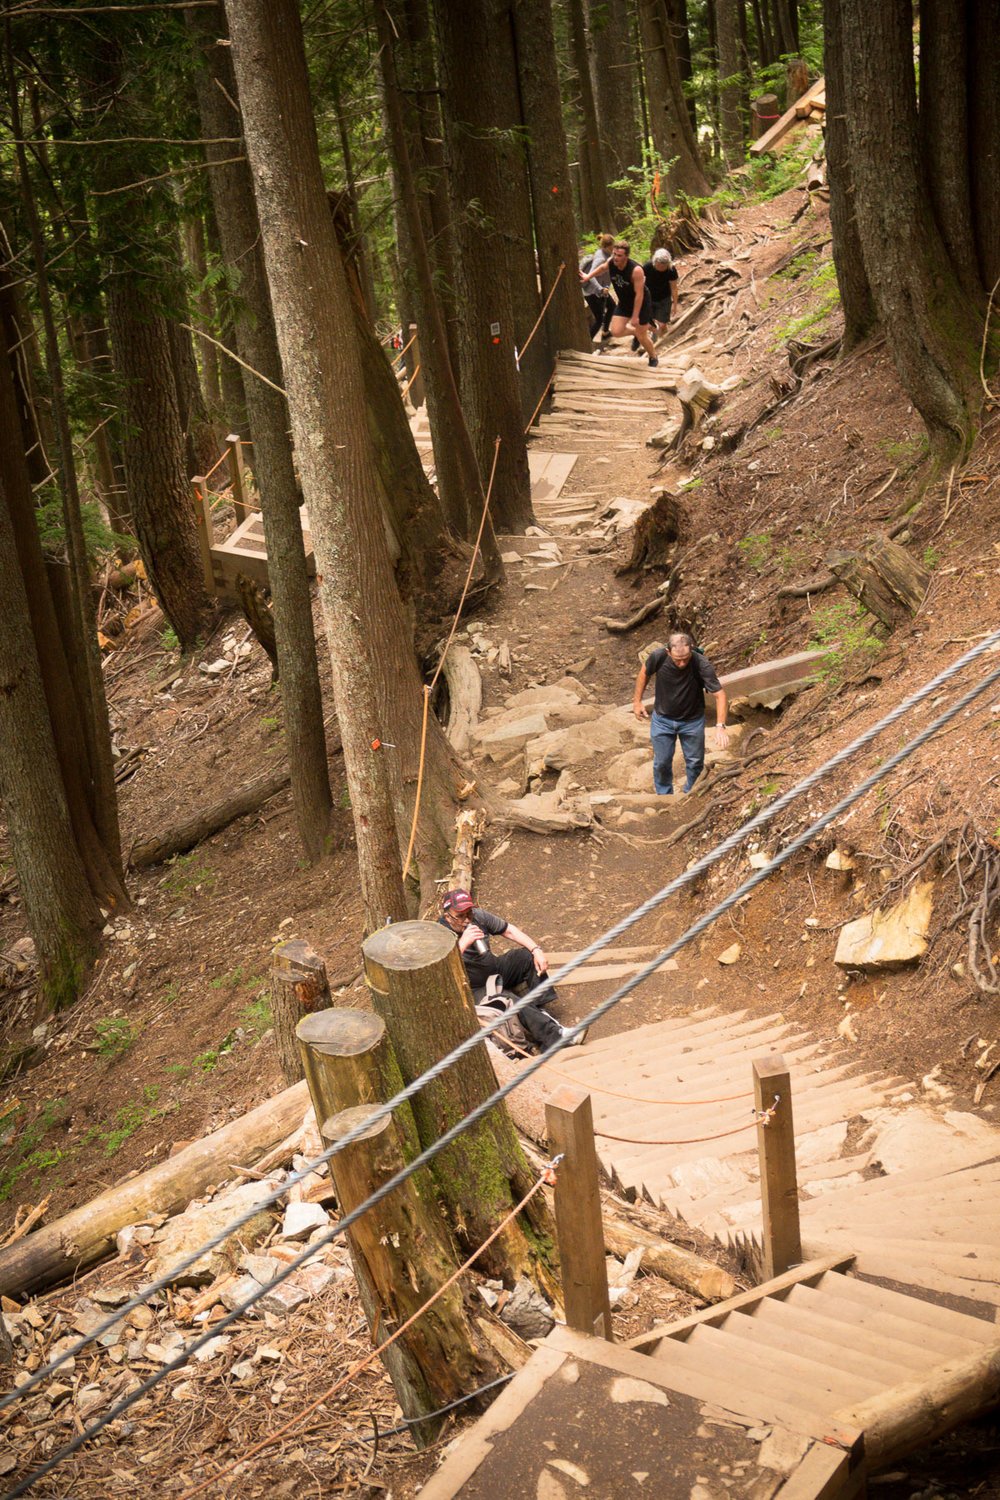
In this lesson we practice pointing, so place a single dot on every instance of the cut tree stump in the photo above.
(884, 578)
(349, 1061)
(655, 534)
(402, 1255)
(418, 986)
(763, 113)
(469, 828)
(697, 396)
(298, 987)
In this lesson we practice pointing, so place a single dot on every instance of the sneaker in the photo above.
(653, 362)
(605, 338)
(635, 346)
(578, 1040)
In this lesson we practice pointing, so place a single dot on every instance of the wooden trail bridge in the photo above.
(875, 1332)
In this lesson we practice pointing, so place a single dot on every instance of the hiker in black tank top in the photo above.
(634, 308)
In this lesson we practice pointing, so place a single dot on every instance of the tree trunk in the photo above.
(594, 199)
(298, 669)
(153, 446)
(418, 986)
(677, 18)
(194, 247)
(298, 988)
(673, 135)
(377, 688)
(615, 65)
(548, 170)
(944, 131)
(486, 259)
(785, 23)
(732, 84)
(852, 280)
(201, 440)
(982, 63)
(67, 1245)
(932, 329)
(402, 1255)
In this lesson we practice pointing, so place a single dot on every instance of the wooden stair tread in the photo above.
(828, 1298)
(780, 1334)
(745, 1382)
(791, 1366)
(833, 1330)
(920, 1311)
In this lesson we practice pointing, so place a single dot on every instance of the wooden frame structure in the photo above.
(244, 550)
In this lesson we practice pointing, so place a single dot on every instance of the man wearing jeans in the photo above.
(683, 677)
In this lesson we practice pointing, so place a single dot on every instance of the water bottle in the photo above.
(481, 946)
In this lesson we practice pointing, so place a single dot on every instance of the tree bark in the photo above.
(298, 988)
(194, 248)
(983, 85)
(932, 329)
(944, 131)
(418, 985)
(298, 668)
(402, 1255)
(856, 300)
(489, 250)
(67, 1245)
(673, 134)
(377, 688)
(615, 63)
(548, 170)
(594, 201)
(732, 84)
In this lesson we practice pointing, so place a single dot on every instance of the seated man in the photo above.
(522, 966)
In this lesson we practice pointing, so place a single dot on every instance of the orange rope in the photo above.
(451, 636)
(548, 387)
(541, 315)
(406, 387)
(405, 348)
(696, 1140)
(220, 460)
(363, 1364)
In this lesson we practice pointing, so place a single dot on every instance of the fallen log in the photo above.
(815, 585)
(682, 1268)
(465, 696)
(470, 826)
(200, 826)
(61, 1249)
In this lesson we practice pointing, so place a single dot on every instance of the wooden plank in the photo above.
(809, 1271)
(691, 1382)
(459, 1467)
(826, 1326)
(920, 1311)
(579, 1226)
(827, 1473)
(766, 1332)
(792, 1366)
(829, 1301)
(781, 127)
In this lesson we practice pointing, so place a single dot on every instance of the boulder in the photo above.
(574, 746)
(632, 771)
(886, 940)
(183, 1234)
(509, 731)
(542, 697)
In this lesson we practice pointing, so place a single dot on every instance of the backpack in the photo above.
(510, 1037)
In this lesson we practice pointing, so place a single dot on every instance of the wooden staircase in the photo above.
(798, 1389)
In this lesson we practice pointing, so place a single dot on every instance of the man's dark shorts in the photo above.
(661, 311)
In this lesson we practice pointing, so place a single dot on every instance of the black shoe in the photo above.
(635, 346)
(605, 338)
(653, 362)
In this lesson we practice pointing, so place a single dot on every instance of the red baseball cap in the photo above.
(458, 900)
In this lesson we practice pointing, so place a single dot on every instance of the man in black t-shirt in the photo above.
(661, 282)
(683, 677)
(521, 966)
(633, 307)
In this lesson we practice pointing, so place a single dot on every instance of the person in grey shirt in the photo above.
(595, 284)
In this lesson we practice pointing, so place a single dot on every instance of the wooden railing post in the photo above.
(782, 1242)
(203, 526)
(416, 385)
(237, 474)
(569, 1122)
(298, 987)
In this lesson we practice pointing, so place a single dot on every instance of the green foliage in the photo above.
(28, 1156)
(256, 1018)
(270, 723)
(931, 556)
(168, 639)
(130, 1118)
(187, 876)
(907, 450)
(820, 279)
(115, 1035)
(755, 550)
(843, 632)
(98, 538)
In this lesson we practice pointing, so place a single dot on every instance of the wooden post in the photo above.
(416, 379)
(237, 474)
(569, 1121)
(402, 1254)
(764, 112)
(418, 985)
(348, 1061)
(298, 987)
(796, 80)
(776, 1147)
(203, 525)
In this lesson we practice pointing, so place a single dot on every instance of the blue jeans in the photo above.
(664, 734)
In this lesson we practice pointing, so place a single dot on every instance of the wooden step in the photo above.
(778, 1333)
(833, 1330)
(746, 1382)
(792, 1368)
(830, 1300)
(944, 1319)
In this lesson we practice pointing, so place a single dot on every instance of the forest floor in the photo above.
(172, 1037)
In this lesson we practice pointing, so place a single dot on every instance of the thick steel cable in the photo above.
(627, 922)
(482, 1110)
